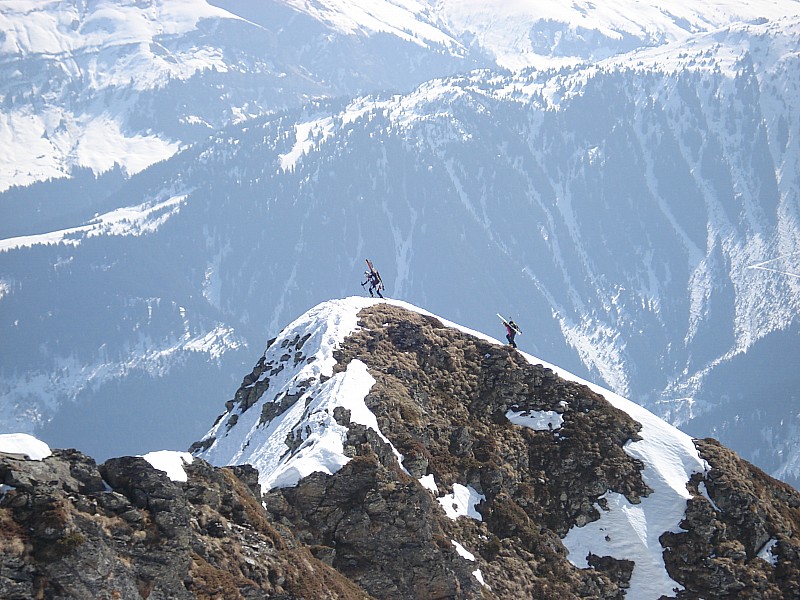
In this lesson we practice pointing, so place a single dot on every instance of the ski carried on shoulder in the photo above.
(506, 322)
(380, 287)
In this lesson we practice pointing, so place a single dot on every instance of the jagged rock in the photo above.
(65, 534)
(728, 522)
(441, 398)
(382, 531)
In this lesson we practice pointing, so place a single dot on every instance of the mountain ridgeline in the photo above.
(614, 212)
(398, 456)
(614, 208)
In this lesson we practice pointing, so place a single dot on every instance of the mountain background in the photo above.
(180, 180)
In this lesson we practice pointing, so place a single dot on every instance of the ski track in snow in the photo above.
(669, 455)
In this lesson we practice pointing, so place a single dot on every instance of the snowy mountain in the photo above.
(287, 421)
(107, 84)
(399, 455)
(520, 34)
(616, 206)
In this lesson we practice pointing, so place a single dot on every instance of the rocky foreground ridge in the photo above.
(387, 522)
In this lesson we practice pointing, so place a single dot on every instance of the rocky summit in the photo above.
(377, 451)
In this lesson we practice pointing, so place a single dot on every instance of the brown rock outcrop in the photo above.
(66, 534)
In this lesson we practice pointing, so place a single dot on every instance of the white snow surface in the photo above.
(462, 502)
(463, 552)
(103, 45)
(429, 483)
(54, 27)
(538, 420)
(24, 445)
(521, 33)
(669, 456)
(171, 462)
(767, 552)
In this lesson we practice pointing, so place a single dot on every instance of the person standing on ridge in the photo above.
(511, 332)
(374, 280)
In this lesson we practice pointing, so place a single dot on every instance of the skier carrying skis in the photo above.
(374, 280)
(511, 332)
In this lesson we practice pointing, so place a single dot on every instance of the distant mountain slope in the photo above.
(124, 82)
(522, 34)
(613, 209)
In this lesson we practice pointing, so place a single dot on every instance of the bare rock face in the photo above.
(66, 534)
(441, 398)
(741, 512)
(71, 529)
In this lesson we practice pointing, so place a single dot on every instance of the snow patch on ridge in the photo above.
(462, 502)
(24, 445)
(670, 458)
(767, 552)
(171, 462)
(538, 420)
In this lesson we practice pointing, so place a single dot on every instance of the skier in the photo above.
(511, 332)
(374, 279)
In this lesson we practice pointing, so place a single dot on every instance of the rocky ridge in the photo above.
(376, 527)
(71, 529)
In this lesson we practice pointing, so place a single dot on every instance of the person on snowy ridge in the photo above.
(511, 332)
(374, 280)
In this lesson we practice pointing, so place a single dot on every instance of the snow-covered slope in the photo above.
(613, 208)
(416, 21)
(127, 83)
(60, 28)
(303, 436)
(58, 59)
(520, 33)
